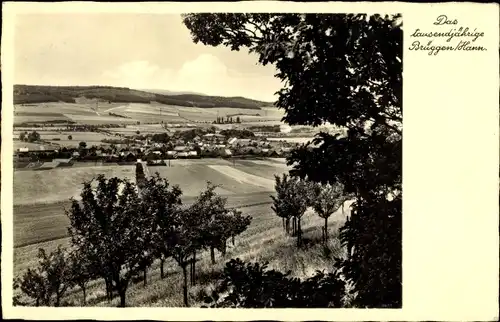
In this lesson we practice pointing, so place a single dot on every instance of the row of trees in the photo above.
(228, 120)
(33, 136)
(119, 229)
(294, 196)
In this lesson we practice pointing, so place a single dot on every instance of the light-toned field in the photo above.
(87, 112)
(40, 196)
(55, 185)
(91, 138)
(32, 146)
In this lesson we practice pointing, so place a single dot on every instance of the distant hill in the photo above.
(169, 93)
(24, 94)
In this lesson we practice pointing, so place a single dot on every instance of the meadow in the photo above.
(40, 198)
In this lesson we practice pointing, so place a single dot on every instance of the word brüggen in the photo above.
(435, 49)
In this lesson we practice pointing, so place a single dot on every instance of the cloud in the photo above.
(204, 74)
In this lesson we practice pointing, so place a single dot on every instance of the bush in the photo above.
(51, 278)
(251, 285)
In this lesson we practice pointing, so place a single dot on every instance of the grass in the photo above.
(264, 241)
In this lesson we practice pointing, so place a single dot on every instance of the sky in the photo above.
(141, 51)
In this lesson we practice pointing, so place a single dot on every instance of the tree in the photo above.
(82, 145)
(33, 284)
(70, 137)
(291, 202)
(33, 136)
(107, 223)
(328, 200)
(238, 119)
(140, 177)
(57, 272)
(22, 136)
(162, 202)
(82, 270)
(51, 277)
(344, 69)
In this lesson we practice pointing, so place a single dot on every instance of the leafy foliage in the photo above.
(108, 223)
(252, 285)
(344, 69)
(293, 198)
(52, 278)
(327, 200)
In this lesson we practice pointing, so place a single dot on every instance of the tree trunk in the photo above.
(58, 299)
(212, 254)
(109, 289)
(162, 272)
(232, 237)
(224, 248)
(194, 267)
(283, 222)
(84, 290)
(342, 208)
(145, 276)
(122, 291)
(299, 233)
(287, 226)
(37, 302)
(326, 230)
(185, 288)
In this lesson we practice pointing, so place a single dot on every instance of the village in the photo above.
(155, 149)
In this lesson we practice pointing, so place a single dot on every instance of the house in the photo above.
(192, 153)
(232, 141)
(182, 154)
(171, 153)
(227, 153)
(23, 150)
(75, 154)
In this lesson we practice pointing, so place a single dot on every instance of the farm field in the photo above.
(40, 196)
(55, 185)
(32, 146)
(91, 138)
(85, 113)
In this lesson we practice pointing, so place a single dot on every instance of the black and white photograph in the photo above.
(213, 160)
